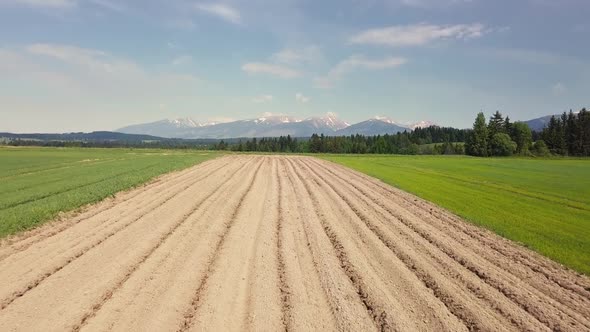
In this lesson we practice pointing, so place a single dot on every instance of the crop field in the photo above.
(278, 243)
(38, 183)
(543, 204)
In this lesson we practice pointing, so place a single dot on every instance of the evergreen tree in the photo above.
(496, 125)
(583, 136)
(477, 145)
(315, 145)
(508, 127)
(571, 134)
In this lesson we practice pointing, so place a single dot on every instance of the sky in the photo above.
(84, 65)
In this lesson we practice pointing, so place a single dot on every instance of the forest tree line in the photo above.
(568, 135)
(430, 140)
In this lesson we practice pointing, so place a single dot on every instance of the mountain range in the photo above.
(269, 126)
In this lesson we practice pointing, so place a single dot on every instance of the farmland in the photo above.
(543, 204)
(247, 242)
(38, 183)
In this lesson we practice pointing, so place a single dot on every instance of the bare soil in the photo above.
(278, 243)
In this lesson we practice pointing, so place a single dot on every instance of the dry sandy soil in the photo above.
(278, 243)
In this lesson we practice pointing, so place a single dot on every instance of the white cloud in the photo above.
(65, 52)
(300, 98)
(262, 99)
(417, 34)
(357, 61)
(94, 61)
(281, 63)
(559, 89)
(70, 88)
(66, 71)
(182, 60)
(308, 54)
(223, 11)
(272, 69)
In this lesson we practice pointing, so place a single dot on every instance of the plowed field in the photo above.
(278, 243)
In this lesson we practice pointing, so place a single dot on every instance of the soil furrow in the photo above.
(283, 284)
(379, 315)
(195, 302)
(109, 294)
(148, 292)
(348, 308)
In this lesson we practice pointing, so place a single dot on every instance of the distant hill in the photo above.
(105, 139)
(93, 136)
(539, 123)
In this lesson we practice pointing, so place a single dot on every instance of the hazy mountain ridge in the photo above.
(96, 136)
(269, 126)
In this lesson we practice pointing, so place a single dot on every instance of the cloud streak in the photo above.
(301, 99)
(290, 56)
(66, 70)
(356, 62)
(222, 11)
(262, 99)
(182, 60)
(271, 69)
(42, 3)
(417, 34)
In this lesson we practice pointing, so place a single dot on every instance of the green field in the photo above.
(37, 183)
(543, 204)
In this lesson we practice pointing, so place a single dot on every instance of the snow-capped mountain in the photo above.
(421, 124)
(270, 120)
(268, 126)
(386, 120)
(189, 123)
(330, 120)
(375, 126)
(167, 128)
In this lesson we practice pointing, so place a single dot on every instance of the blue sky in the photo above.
(81, 65)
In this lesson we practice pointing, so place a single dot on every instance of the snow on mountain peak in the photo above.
(190, 123)
(422, 124)
(385, 119)
(329, 120)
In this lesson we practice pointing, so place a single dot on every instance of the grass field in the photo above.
(543, 204)
(37, 183)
